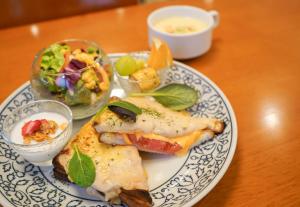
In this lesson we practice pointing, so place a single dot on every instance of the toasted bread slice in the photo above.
(119, 170)
(157, 129)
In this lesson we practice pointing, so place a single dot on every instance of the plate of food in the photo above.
(165, 143)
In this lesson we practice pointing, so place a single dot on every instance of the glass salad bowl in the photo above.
(143, 79)
(75, 72)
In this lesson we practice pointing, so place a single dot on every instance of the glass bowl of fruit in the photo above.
(75, 72)
(144, 71)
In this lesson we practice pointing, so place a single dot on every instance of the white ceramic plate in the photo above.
(173, 181)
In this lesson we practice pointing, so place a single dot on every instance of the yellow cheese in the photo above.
(187, 141)
(126, 139)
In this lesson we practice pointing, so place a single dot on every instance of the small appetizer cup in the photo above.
(85, 104)
(39, 153)
(188, 45)
(134, 86)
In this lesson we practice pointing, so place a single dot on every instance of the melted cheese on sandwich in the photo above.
(116, 166)
(155, 119)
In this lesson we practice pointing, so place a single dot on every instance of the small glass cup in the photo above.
(40, 153)
(132, 86)
(82, 110)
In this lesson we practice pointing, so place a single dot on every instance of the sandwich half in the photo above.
(157, 129)
(119, 171)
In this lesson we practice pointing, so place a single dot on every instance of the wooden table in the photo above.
(255, 59)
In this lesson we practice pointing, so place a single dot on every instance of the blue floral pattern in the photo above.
(23, 184)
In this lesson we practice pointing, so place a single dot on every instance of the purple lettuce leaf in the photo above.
(76, 64)
(71, 74)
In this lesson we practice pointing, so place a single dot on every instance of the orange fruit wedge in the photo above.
(160, 55)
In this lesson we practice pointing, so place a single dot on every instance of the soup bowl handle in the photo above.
(216, 18)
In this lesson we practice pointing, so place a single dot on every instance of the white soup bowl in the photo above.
(188, 45)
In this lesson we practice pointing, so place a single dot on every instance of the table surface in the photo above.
(254, 59)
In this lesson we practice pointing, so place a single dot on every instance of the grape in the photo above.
(126, 65)
(140, 64)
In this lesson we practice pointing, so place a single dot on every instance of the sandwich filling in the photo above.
(156, 129)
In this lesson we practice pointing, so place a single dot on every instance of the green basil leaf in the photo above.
(81, 169)
(126, 105)
(175, 96)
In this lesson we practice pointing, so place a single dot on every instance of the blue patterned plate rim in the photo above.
(233, 123)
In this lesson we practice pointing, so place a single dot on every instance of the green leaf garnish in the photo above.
(81, 169)
(175, 96)
(126, 105)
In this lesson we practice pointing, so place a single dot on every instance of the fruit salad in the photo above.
(74, 75)
(145, 73)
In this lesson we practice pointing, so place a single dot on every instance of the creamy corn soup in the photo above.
(180, 25)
